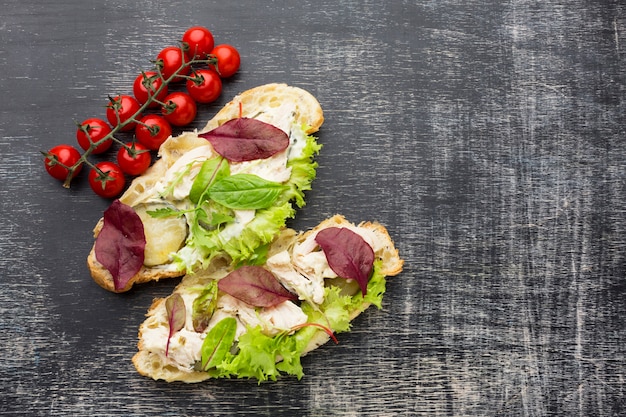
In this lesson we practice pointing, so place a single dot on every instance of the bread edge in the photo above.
(142, 359)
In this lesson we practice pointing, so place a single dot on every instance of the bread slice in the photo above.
(181, 363)
(287, 107)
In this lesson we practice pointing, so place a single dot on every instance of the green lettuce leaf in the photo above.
(261, 230)
(302, 171)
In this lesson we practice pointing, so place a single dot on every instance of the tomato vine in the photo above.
(190, 68)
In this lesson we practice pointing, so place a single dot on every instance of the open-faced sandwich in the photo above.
(257, 320)
(224, 191)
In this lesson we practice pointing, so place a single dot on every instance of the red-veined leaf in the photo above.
(121, 243)
(176, 316)
(256, 286)
(218, 342)
(246, 139)
(327, 330)
(203, 307)
(348, 255)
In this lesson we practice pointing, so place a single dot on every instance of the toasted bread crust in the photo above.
(269, 96)
(260, 99)
(152, 365)
(103, 277)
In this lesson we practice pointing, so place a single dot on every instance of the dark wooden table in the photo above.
(488, 136)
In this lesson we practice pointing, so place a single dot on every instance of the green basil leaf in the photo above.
(245, 191)
(212, 170)
(218, 342)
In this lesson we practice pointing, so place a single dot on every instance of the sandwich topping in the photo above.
(230, 196)
(256, 321)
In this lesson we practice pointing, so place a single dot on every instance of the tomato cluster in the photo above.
(164, 97)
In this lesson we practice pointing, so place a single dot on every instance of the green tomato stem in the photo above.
(84, 159)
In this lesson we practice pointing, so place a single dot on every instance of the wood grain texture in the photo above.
(488, 136)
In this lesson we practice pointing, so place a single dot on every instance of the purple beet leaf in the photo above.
(256, 286)
(246, 139)
(348, 255)
(176, 315)
(120, 244)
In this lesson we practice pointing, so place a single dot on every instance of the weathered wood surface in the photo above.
(488, 136)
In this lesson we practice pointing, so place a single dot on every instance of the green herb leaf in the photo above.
(245, 191)
(165, 212)
(218, 342)
(212, 170)
(176, 315)
(203, 307)
(179, 177)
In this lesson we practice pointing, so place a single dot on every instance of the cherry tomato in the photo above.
(208, 89)
(93, 130)
(152, 131)
(198, 42)
(171, 59)
(62, 154)
(134, 158)
(125, 106)
(108, 180)
(145, 85)
(228, 60)
(179, 109)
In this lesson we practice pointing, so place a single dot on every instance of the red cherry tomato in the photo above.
(228, 60)
(93, 130)
(134, 158)
(198, 42)
(108, 180)
(179, 109)
(152, 130)
(171, 59)
(145, 85)
(60, 157)
(207, 88)
(125, 106)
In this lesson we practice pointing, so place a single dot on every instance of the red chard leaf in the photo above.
(256, 286)
(348, 255)
(176, 315)
(246, 139)
(120, 244)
